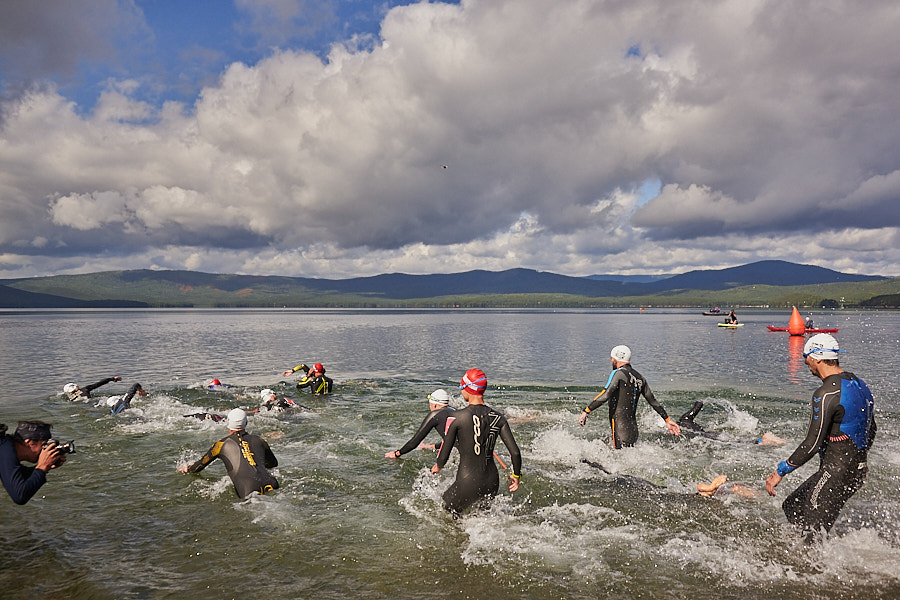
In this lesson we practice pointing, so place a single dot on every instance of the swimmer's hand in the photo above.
(427, 447)
(513, 483)
(673, 427)
(182, 469)
(392, 454)
(287, 373)
(435, 470)
(771, 481)
(583, 418)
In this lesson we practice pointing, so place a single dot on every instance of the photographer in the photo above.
(29, 443)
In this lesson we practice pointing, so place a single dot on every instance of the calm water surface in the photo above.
(118, 521)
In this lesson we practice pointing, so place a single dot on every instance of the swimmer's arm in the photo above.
(290, 372)
(818, 429)
(428, 423)
(269, 459)
(515, 454)
(94, 386)
(211, 455)
(446, 447)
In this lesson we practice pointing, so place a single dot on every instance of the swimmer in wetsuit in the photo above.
(474, 430)
(119, 403)
(314, 378)
(439, 419)
(246, 456)
(74, 392)
(623, 388)
(270, 401)
(841, 431)
(686, 421)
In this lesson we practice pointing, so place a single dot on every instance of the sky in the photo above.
(347, 138)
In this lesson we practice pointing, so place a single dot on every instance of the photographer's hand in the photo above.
(50, 458)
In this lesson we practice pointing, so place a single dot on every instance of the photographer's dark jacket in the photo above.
(21, 482)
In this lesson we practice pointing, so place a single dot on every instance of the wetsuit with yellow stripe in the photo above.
(241, 452)
(623, 388)
(317, 385)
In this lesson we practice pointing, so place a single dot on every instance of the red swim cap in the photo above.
(474, 382)
(318, 368)
(215, 382)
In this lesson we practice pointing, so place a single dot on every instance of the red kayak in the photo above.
(772, 328)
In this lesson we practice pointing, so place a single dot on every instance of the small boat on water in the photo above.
(732, 325)
(807, 330)
(796, 326)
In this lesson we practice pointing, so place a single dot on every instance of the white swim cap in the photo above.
(237, 419)
(113, 400)
(69, 388)
(439, 397)
(266, 394)
(621, 353)
(822, 347)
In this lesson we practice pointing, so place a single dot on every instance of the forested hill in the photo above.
(189, 288)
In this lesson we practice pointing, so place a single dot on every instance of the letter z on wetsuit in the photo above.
(624, 387)
(241, 452)
(841, 430)
(438, 419)
(475, 430)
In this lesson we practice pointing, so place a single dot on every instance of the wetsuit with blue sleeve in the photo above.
(247, 458)
(21, 482)
(474, 431)
(623, 388)
(438, 419)
(125, 402)
(841, 431)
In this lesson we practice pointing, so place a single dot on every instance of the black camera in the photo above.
(67, 448)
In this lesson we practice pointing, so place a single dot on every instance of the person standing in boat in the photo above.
(623, 388)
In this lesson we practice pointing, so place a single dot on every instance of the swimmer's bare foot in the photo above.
(708, 489)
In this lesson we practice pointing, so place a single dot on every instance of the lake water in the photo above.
(118, 521)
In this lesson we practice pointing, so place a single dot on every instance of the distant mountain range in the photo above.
(141, 288)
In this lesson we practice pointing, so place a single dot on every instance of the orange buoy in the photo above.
(796, 326)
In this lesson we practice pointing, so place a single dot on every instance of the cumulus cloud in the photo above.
(486, 135)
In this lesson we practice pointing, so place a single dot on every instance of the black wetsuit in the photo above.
(624, 387)
(205, 416)
(21, 482)
(438, 419)
(686, 422)
(841, 430)
(278, 404)
(475, 430)
(241, 452)
(85, 392)
(125, 402)
(317, 385)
